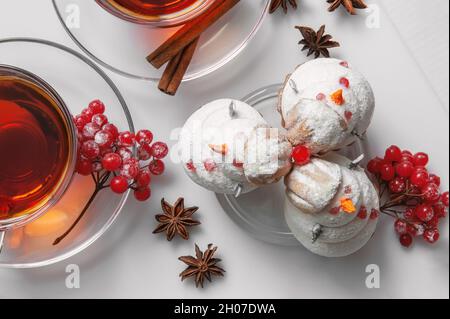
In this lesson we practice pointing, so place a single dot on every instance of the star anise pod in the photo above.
(318, 42)
(275, 4)
(176, 219)
(202, 266)
(350, 5)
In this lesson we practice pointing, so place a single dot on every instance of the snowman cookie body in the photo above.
(335, 219)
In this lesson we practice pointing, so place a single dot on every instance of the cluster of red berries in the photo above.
(415, 199)
(103, 149)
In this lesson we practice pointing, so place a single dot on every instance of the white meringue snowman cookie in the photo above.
(348, 221)
(268, 156)
(337, 86)
(216, 152)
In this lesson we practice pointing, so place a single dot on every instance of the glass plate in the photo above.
(78, 81)
(260, 212)
(122, 46)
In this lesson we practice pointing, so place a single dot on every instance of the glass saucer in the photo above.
(122, 46)
(260, 212)
(78, 81)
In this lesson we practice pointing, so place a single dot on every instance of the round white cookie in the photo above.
(337, 85)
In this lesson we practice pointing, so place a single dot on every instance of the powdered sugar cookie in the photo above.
(209, 139)
(336, 85)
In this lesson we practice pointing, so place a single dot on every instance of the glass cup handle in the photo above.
(2, 237)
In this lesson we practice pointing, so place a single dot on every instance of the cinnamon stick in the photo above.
(189, 32)
(176, 69)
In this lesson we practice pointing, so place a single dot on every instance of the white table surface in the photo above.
(130, 262)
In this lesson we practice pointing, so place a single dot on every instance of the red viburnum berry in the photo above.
(421, 159)
(80, 121)
(142, 194)
(84, 167)
(400, 226)
(434, 179)
(431, 235)
(156, 167)
(301, 155)
(104, 139)
(111, 128)
(412, 230)
(119, 184)
(125, 153)
(144, 152)
(374, 165)
(404, 169)
(126, 139)
(409, 214)
(387, 172)
(144, 178)
(445, 199)
(100, 119)
(159, 150)
(112, 162)
(144, 137)
(393, 154)
(406, 240)
(89, 131)
(440, 210)
(397, 185)
(88, 113)
(97, 107)
(419, 177)
(130, 169)
(424, 212)
(431, 193)
(90, 150)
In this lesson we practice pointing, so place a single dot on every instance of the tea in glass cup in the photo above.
(156, 12)
(37, 146)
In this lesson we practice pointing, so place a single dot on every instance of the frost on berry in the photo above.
(111, 128)
(126, 139)
(97, 107)
(125, 153)
(90, 150)
(431, 235)
(157, 167)
(144, 137)
(100, 119)
(90, 130)
(144, 152)
(104, 139)
(159, 150)
(130, 169)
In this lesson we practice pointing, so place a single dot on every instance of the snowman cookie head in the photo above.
(219, 143)
(326, 104)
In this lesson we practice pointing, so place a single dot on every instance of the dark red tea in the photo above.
(35, 145)
(152, 7)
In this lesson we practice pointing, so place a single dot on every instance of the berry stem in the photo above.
(99, 186)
